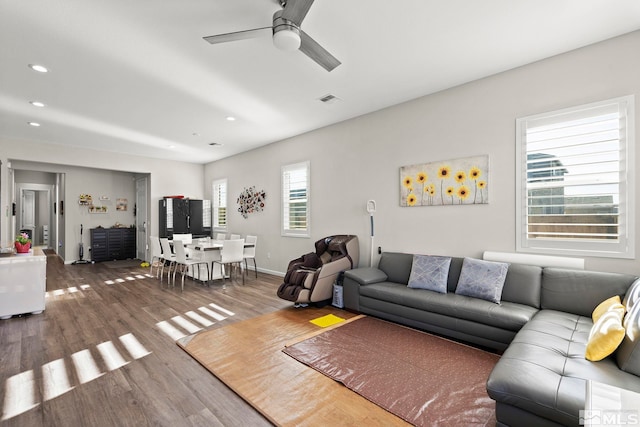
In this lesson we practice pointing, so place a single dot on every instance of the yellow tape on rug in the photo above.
(327, 320)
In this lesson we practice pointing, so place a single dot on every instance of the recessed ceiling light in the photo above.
(34, 124)
(230, 118)
(38, 68)
(37, 103)
(171, 146)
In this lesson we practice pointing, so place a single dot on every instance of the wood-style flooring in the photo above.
(103, 353)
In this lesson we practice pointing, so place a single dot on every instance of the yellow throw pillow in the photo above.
(606, 334)
(604, 306)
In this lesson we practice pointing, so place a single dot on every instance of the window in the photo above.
(220, 203)
(576, 171)
(295, 200)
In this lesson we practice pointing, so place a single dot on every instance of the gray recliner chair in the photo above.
(310, 278)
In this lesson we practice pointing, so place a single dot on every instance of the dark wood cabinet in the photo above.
(108, 244)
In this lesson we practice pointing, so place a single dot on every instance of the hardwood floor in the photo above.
(103, 353)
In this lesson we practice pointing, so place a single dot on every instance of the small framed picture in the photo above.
(121, 204)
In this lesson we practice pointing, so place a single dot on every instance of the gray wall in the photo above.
(359, 159)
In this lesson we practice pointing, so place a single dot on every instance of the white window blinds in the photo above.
(295, 200)
(575, 167)
(220, 203)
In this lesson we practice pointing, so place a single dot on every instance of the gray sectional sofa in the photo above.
(541, 324)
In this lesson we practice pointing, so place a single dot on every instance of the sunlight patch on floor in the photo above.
(185, 324)
(86, 366)
(19, 395)
(55, 379)
(198, 318)
(111, 356)
(179, 327)
(22, 393)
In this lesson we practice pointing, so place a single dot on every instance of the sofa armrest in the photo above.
(353, 279)
(366, 276)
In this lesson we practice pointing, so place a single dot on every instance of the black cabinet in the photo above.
(183, 216)
(113, 243)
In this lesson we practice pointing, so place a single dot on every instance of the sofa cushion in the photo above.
(482, 279)
(561, 285)
(397, 266)
(606, 334)
(548, 352)
(604, 306)
(430, 272)
(628, 354)
(509, 316)
(522, 284)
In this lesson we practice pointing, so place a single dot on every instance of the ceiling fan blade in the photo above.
(313, 50)
(238, 35)
(296, 10)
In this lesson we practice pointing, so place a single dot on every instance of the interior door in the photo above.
(142, 219)
(28, 220)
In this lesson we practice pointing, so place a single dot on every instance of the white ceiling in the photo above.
(135, 76)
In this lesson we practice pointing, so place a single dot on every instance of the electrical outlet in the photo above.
(379, 250)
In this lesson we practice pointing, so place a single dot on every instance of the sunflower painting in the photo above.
(452, 182)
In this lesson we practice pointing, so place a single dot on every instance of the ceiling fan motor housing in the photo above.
(286, 34)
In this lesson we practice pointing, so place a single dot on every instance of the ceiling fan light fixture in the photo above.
(286, 38)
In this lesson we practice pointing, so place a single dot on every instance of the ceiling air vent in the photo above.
(329, 99)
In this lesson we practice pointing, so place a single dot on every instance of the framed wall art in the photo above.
(451, 182)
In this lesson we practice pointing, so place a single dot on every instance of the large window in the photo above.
(220, 203)
(295, 200)
(576, 170)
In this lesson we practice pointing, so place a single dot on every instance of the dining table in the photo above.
(208, 250)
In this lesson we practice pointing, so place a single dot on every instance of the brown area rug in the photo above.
(424, 379)
(247, 356)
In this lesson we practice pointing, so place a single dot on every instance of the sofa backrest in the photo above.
(522, 284)
(580, 291)
(396, 265)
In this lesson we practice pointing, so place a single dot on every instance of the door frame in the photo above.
(142, 216)
(50, 191)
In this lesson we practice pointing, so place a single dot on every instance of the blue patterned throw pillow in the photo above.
(430, 272)
(482, 279)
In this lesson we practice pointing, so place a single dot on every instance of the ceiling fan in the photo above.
(287, 34)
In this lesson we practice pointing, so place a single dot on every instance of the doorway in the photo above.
(34, 214)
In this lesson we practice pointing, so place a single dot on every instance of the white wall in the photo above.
(359, 159)
(98, 173)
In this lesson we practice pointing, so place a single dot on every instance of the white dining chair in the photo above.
(185, 264)
(234, 237)
(250, 253)
(231, 254)
(156, 255)
(168, 256)
(221, 236)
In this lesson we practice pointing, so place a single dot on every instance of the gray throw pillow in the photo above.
(482, 279)
(430, 272)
